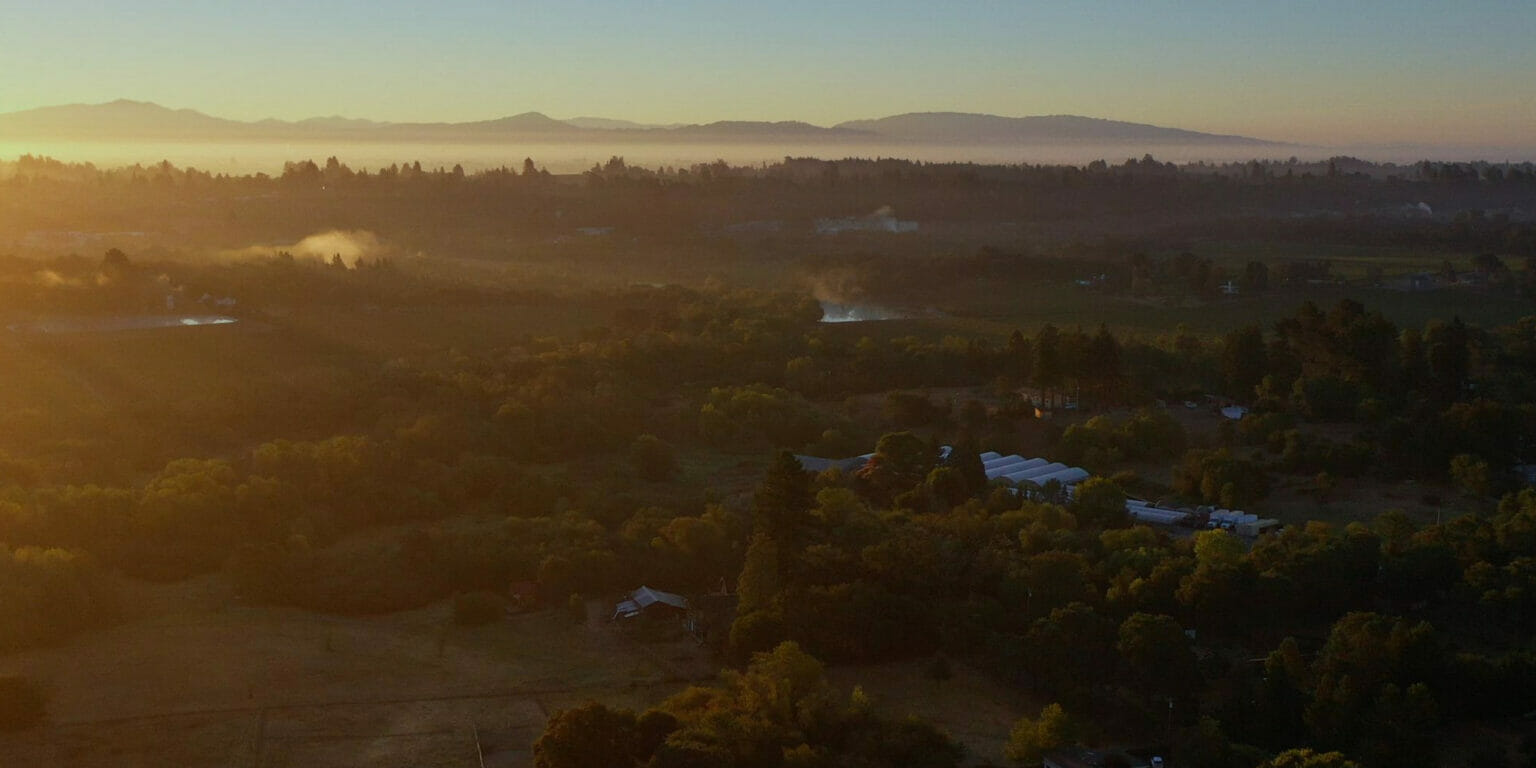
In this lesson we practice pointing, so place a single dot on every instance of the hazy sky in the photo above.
(1334, 71)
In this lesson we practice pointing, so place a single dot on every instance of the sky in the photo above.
(1339, 72)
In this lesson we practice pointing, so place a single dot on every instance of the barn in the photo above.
(650, 603)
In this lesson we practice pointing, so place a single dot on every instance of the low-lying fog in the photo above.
(110, 323)
(856, 313)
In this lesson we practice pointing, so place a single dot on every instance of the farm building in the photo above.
(1033, 472)
(1002, 461)
(1230, 519)
(1526, 473)
(1141, 512)
(1067, 476)
(1256, 528)
(1077, 757)
(650, 602)
(1014, 467)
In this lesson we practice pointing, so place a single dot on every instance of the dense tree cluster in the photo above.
(1412, 627)
(1421, 398)
(779, 711)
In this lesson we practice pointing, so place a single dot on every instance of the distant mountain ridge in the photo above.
(939, 126)
(125, 120)
(610, 124)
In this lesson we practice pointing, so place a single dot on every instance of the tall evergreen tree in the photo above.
(783, 500)
(1049, 369)
(1244, 361)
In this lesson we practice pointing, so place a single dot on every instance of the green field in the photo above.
(996, 315)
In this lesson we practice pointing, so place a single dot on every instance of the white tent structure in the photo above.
(1034, 472)
(1142, 513)
(1002, 461)
(1004, 470)
(1065, 476)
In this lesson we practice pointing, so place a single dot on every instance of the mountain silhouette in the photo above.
(125, 120)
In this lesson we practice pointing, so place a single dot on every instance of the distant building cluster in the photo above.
(1031, 476)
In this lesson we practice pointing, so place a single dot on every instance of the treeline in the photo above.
(451, 210)
(1421, 396)
(780, 710)
(332, 170)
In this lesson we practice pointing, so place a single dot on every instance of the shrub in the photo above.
(1101, 503)
(1471, 474)
(1032, 737)
(912, 409)
(939, 669)
(654, 458)
(22, 704)
(473, 609)
(1259, 428)
(1216, 477)
(1326, 398)
(1303, 453)
(756, 631)
(50, 594)
(1101, 442)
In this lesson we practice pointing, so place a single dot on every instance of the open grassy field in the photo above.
(996, 311)
(197, 678)
(1294, 502)
(975, 710)
(422, 330)
(1351, 262)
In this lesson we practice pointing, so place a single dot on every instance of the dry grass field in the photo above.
(975, 710)
(197, 679)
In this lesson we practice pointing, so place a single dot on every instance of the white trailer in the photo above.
(1256, 528)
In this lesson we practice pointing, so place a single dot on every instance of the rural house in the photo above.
(650, 602)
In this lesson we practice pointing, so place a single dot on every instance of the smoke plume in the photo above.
(350, 245)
